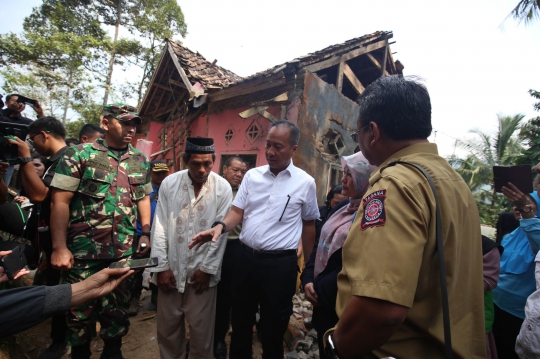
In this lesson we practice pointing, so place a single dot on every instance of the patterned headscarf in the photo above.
(335, 230)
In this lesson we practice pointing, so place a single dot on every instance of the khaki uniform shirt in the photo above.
(390, 254)
(235, 233)
(103, 210)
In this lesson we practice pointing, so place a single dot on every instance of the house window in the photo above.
(334, 143)
(254, 131)
(229, 135)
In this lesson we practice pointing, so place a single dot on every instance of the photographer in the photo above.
(15, 105)
(47, 135)
(24, 307)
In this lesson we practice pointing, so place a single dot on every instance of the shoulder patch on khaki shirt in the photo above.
(374, 211)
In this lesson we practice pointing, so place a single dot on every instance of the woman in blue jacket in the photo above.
(516, 280)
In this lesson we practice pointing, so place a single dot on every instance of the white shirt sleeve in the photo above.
(310, 209)
(214, 255)
(240, 200)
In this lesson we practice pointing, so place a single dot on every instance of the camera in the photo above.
(8, 151)
(24, 99)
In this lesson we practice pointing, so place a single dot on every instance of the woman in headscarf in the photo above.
(516, 279)
(319, 277)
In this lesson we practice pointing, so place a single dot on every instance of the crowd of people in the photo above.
(395, 262)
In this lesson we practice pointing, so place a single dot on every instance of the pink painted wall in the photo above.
(217, 125)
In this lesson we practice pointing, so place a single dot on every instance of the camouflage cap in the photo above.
(121, 112)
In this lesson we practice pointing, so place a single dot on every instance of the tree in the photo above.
(486, 151)
(149, 20)
(530, 135)
(155, 20)
(31, 84)
(526, 11)
(58, 44)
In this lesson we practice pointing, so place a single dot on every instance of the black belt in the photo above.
(268, 254)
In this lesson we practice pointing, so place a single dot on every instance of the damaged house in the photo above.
(190, 96)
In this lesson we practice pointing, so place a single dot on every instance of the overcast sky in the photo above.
(472, 66)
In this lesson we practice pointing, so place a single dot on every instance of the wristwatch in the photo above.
(145, 234)
(330, 348)
(23, 160)
(223, 224)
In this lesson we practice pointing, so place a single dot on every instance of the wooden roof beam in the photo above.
(249, 87)
(179, 68)
(339, 82)
(347, 56)
(353, 79)
(377, 63)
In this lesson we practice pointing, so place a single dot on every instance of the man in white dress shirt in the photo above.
(278, 205)
(189, 202)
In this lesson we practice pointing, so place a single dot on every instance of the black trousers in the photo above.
(506, 328)
(52, 278)
(224, 292)
(267, 281)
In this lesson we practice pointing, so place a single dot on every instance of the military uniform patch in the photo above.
(374, 210)
(69, 152)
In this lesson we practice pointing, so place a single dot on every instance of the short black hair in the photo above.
(72, 140)
(10, 96)
(230, 160)
(90, 129)
(50, 124)
(187, 156)
(41, 158)
(400, 106)
(335, 190)
(294, 131)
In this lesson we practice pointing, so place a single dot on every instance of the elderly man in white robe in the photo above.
(190, 201)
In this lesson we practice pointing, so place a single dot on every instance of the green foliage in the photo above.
(485, 151)
(530, 135)
(526, 11)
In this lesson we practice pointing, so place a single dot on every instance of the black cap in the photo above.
(199, 145)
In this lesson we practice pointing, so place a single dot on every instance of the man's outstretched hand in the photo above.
(98, 285)
(3, 275)
(201, 238)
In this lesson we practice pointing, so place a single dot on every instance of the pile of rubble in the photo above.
(301, 338)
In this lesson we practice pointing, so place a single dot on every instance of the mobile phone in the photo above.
(13, 262)
(136, 263)
(519, 175)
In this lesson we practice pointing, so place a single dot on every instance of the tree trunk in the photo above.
(113, 53)
(68, 92)
(145, 73)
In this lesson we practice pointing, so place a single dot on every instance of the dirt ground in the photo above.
(139, 343)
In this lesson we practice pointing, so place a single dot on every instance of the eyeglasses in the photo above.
(30, 139)
(355, 135)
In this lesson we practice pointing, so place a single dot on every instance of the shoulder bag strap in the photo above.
(442, 267)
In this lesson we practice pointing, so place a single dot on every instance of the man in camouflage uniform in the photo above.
(98, 191)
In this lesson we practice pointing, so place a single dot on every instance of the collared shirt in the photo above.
(179, 217)
(391, 254)
(103, 209)
(274, 207)
(18, 119)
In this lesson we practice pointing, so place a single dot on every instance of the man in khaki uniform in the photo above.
(389, 300)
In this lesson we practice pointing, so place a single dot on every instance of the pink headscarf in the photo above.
(335, 230)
